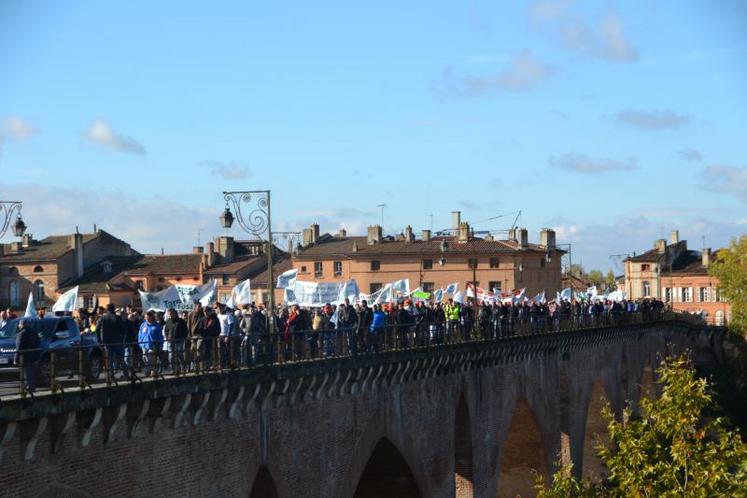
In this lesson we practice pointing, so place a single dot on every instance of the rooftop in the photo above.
(343, 246)
(49, 248)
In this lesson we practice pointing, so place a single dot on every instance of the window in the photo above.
(494, 262)
(645, 267)
(646, 288)
(472, 262)
(668, 295)
(88, 302)
(375, 265)
(687, 294)
(427, 264)
(226, 278)
(14, 292)
(38, 269)
(39, 291)
(303, 269)
(704, 294)
(494, 286)
(318, 269)
(161, 279)
(428, 286)
(338, 268)
(374, 287)
(139, 284)
(543, 262)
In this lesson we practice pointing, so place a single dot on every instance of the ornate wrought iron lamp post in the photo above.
(255, 220)
(7, 208)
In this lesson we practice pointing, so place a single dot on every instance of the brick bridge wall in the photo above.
(309, 429)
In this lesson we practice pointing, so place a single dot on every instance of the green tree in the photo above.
(610, 280)
(669, 450)
(730, 267)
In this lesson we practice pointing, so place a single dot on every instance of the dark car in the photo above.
(58, 334)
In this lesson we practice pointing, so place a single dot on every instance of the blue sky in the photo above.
(613, 122)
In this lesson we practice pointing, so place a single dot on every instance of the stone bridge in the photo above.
(462, 420)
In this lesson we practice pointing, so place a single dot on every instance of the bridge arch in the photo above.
(264, 485)
(463, 453)
(522, 454)
(595, 431)
(387, 473)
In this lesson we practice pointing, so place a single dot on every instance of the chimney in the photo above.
(661, 246)
(426, 236)
(209, 254)
(374, 234)
(463, 232)
(342, 233)
(226, 248)
(409, 237)
(706, 255)
(197, 250)
(306, 236)
(512, 234)
(314, 233)
(547, 238)
(523, 238)
(674, 237)
(27, 240)
(355, 247)
(75, 242)
(456, 220)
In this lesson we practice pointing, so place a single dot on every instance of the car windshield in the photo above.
(46, 327)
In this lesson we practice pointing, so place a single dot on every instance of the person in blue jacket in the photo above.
(150, 339)
(376, 329)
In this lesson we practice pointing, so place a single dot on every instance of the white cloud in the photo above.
(232, 170)
(664, 119)
(581, 163)
(599, 244)
(17, 128)
(148, 224)
(102, 134)
(524, 72)
(602, 37)
(727, 179)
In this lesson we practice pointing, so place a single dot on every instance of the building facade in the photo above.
(45, 266)
(679, 277)
(432, 262)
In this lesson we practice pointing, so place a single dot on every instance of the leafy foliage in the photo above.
(668, 450)
(730, 267)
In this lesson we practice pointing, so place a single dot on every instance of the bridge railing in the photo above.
(45, 371)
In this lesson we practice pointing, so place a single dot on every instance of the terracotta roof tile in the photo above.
(344, 247)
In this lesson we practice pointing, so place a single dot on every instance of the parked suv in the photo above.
(58, 334)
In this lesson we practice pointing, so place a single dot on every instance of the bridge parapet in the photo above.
(80, 418)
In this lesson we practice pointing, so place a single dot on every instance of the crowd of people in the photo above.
(210, 337)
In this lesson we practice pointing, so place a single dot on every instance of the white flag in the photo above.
(458, 298)
(470, 291)
(66, 302)
(566, 294)
(287, 279)
(30, 307)
(240, 294)
(438, 296)
(452, 288)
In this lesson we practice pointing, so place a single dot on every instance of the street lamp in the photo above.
(7, 208)
(255, 221)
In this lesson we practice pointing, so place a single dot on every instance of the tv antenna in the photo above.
(381, 206)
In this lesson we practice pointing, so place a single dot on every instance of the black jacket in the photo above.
(111, 329)
(27, 339)
(175, 330)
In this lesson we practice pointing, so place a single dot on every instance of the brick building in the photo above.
(678, 276)
(44, 266)
(430, 261)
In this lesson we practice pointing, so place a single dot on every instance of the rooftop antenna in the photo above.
(431, 217)
(199, 231)
(381, 206)
(702, 238)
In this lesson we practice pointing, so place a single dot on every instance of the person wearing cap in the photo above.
(27, 352)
